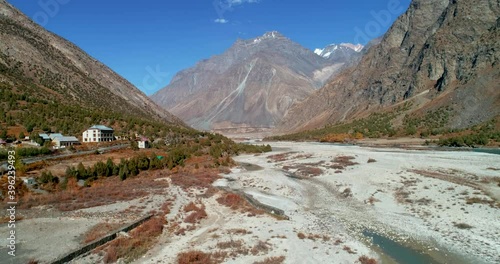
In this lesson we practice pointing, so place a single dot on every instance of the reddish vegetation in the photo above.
(231, 200)
(201, 178)
(198, 213)
(140, 241)
(349, 250)
(280, 157)
(341, 162)
(367, 260)
(103, 192)
(98, 231)
(236, 202)
(272, 260)
(339, 138)
(195, 257)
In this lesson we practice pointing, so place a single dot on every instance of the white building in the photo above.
(143, 143)
(98, 133)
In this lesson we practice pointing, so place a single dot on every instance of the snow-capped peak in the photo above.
(333, 48)
(355, 47)
(268, 35)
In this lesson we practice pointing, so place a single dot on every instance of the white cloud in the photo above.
(239, 2)
(221, 20)
(224, 6)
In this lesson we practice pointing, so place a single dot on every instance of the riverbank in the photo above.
(446, 200)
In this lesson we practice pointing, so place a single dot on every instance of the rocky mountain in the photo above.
(440, 53)
(340, 53)
(47, 67)
(251, 85)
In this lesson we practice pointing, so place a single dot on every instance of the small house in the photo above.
(3, 143)
(44, 137)
(54, 136)
(66, 141)
(29, 181)
(143, 143)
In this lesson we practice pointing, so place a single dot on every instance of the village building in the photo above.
(98, 133)
(143, 143)
(63, 141)
(44, 137)
(55, 135)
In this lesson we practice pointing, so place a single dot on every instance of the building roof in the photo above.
(44, 136)
(3, 141)
(101, 127)
(67, 139)
(55, 135)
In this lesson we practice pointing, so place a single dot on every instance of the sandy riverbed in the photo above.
(418, 198)
(444, 204)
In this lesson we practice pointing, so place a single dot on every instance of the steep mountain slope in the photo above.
(44, 66)
(251, 85)
(439, 53)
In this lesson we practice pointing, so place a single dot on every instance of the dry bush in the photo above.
(203, 179)
(341, 137)
(349, 250)
(195, 257)
(371, 160)
(32, 261)
(346, 193)
(165, 208)
(345, 161)
(301, 235)
(141, 239)
(98, 231)
(6, 219)
(103, 191)
(338, 242)
(198, 213)
(272, 260)
(424, 201)
(230, 244)
(260, 247)
(231, 200)
(402, 196)
(463, 226)
(110, 255)
(280, 157)
(190, 207)
(306, 171)
(367, 260)
(239, 231)
(372, 200)
(477, 200)
(196, 217)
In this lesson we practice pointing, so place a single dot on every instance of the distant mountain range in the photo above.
(439, 54)
(38, 67)
(250, 86)
(343, 52)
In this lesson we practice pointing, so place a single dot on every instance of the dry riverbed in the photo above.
(340, 202)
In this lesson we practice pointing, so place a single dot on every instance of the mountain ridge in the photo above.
(27, 44)
(251, 85)
(438, 50)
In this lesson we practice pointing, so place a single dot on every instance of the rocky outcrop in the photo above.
(448, 47)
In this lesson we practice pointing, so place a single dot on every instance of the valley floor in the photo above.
(443, 206)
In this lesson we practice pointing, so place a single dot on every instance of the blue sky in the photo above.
(149, 42)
